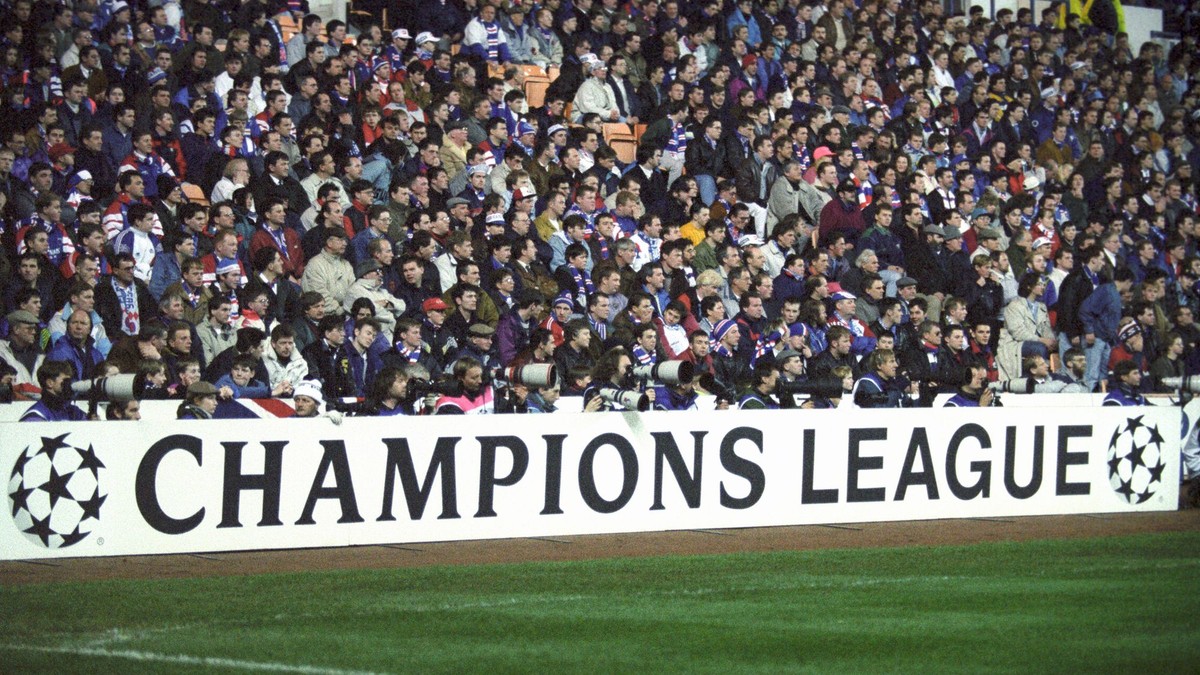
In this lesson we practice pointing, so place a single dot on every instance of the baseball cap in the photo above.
(843, 295)
(434, 305)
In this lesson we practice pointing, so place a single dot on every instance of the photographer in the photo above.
(130, 410)
(761, 393)
(542, 399)
(389, 395)
(609, 388)
(882, 388)
(54, 377)
(975, 393)
(680, 396)
(1127, 379)
(476, 398)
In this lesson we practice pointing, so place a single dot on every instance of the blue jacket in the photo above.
(1100, 313)
(164, 273)
(1122, 396)
(83, 360)
(255, 389)
(43, 412)
(666, 399)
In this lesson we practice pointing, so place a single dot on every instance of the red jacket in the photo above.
(293, 253)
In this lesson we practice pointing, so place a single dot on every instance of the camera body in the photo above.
(629, 399)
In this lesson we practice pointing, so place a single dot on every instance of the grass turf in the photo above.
(1100, 605)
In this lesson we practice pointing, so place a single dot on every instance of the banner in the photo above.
(128, 488)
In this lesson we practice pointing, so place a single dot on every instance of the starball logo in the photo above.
(1135, 465)
(55, 492)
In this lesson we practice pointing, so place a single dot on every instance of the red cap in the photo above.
(749, 59)
(433, 304)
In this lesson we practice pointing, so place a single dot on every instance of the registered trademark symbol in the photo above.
(99, 541)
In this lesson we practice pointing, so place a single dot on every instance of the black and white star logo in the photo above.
(56, 487)
(1139, 441)
(41, 529)
(89, 461)
(56, 492)
(52, 445)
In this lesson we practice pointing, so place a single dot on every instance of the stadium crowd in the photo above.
(243, 200)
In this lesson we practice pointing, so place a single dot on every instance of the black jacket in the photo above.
(109, 307)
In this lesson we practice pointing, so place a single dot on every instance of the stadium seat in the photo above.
(535, 91)
(626, 149)
(619, 137)
(194, 194)
(533, 71)
(617, 130)
(552, 73)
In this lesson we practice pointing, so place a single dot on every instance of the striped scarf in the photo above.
(765, 345)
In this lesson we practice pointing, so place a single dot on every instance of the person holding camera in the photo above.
(678, 396)
(609, 388)
(975, 393)
(475, 397)
(882, 387)
(54, 377)
(389, 394)
(1127, 381)
(761, 395)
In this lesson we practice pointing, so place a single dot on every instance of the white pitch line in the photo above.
(206, 661)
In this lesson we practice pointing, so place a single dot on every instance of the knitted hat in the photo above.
(311, 389)
(722, 328)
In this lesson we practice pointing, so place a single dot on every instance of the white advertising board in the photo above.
(100, 489)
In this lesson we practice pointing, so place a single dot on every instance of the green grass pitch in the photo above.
(1126, 604)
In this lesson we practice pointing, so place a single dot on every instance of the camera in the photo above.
(419, 387)
(723, 392)
(1188, 383)
(821, 387)
(114, 388)
(668, 372)
(533, 376)
(627, 398)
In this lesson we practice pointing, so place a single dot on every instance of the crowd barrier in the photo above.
(128, 488)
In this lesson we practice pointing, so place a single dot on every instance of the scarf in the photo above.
(410, 355)
(643, 357)
(765, 345)
(583, 284)
(131, 321)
